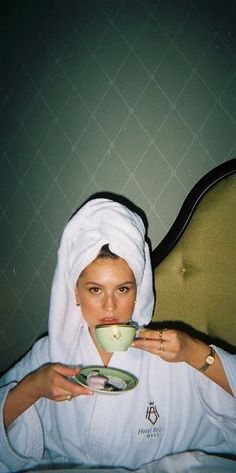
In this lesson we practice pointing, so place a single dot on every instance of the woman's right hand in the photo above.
(50, 381)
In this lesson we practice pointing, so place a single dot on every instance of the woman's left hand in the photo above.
(176, 346)
(171, 345)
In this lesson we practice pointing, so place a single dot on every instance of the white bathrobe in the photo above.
(174, 408)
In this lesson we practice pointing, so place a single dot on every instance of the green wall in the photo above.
(136, 97)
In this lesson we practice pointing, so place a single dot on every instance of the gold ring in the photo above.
(69, 397)
(162, 346)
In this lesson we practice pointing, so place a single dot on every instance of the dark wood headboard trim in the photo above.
(192, 200)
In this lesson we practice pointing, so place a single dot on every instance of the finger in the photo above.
(151, 345)
(66, 370)
(155, 350)
(62, 382)
(149, 334)
(70, 387)
(70, 396)
(61, 394)
(155, 346)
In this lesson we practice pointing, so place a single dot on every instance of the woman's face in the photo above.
(106, 292)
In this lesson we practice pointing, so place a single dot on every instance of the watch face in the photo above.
(210, 359)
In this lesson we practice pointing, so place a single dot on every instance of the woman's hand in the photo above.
(173, 346)
(49, 381)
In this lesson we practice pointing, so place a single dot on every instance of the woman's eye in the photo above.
(123, 289)
(94, 290)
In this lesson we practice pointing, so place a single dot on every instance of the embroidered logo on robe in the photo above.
(152, 413)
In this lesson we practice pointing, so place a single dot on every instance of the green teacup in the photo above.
(117, 337)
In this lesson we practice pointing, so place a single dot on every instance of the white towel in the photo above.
(98, 222)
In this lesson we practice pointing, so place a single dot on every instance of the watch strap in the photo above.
(209, 360)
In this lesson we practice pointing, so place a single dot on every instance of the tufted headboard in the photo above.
(195, 264)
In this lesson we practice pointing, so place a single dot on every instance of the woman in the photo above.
(103, 275)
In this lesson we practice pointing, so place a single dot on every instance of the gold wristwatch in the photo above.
(209, 360)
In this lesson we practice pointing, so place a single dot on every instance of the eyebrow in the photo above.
(121, 284)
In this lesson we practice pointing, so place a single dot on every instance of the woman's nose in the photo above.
(109, 303)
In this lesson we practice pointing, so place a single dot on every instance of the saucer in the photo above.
(115, 381)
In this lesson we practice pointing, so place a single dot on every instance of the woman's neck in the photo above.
(105, 356)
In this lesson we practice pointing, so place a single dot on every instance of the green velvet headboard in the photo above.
(195, 265)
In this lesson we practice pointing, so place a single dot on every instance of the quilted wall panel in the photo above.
(136, 97)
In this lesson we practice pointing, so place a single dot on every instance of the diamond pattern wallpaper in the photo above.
(135, 97)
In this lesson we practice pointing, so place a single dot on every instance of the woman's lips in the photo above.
(109, 320)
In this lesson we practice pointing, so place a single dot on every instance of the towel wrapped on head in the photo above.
(99, 222)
